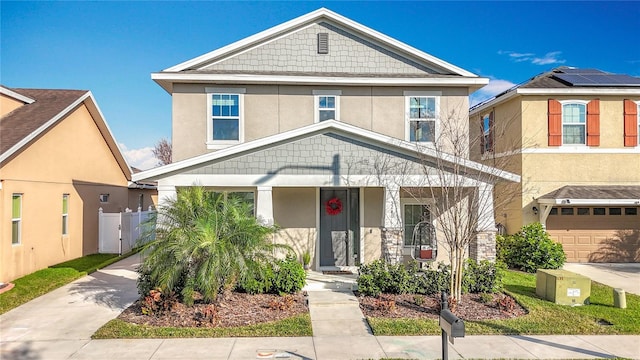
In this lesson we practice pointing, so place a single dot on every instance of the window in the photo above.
(487, 126)
(566, 211)
(554, 211)
(225, 110)
(631, 211)
(584, 211)
(422, 118)
(327, 105)
(65, 214)
(615, 211)
(247, 197)
(104, 198)
(574, 120)
(598, 211)
(16, 219)
(225, 117)
(413, 214)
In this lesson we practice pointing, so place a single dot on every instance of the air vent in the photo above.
(323, 43)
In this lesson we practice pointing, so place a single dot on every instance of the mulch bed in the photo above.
(405, 306)
(233, 309)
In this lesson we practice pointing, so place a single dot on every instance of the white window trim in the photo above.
(407, 112)
(221, 144)
(65, 216)
(18, 219)
(316, 103)
(430, 203)
(586, 114)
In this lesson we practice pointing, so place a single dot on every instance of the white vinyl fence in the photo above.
(118, 233)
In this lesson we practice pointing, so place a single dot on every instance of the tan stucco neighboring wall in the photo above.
(71, 158)
(272, 109)
(294, 211)
(373, 205)
(8, 104)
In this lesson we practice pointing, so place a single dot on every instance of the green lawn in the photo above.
(544, 317)
(43, 281)
(295, 326)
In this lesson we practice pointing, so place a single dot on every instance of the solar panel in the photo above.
(598, 79)
(581, 71)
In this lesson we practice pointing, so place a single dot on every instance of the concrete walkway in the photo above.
(624, 276)
(59, 325)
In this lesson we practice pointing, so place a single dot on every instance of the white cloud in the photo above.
(552, 57)
(493, 88)
(142, 158)
(549, 58)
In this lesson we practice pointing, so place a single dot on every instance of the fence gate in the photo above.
(118, 233)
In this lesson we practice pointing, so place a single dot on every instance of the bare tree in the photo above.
(162, 151)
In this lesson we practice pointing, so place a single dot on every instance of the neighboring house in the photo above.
(573, 136)
(328, 128)
(59, 163)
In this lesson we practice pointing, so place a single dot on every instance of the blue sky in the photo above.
(111, 48)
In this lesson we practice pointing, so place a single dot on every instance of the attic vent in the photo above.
(323, 43)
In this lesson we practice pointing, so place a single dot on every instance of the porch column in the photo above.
(392, 225)
(264, 206)
(166, 194)
(483, 247)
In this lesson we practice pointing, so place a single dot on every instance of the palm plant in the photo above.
(205, 243)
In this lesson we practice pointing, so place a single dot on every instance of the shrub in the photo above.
(486, 298)
(290, 276)
(374, 278)
(430, 282)
(482, 277)
(259, 280)
(367, 285)
(158, 302)
(531, 249)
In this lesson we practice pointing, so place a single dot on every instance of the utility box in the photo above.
(563, 287)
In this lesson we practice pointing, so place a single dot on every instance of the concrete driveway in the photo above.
(620, 275)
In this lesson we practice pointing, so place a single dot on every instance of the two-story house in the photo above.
(329, 128)
(572, 134)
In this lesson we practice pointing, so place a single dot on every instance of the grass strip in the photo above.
(544, 317)
(43, 281)
(299, 325)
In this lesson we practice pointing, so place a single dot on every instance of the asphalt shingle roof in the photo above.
(603, 192)
(24, 120)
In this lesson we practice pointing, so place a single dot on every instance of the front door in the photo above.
(339, 227)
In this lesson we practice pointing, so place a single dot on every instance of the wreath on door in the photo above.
(333, 206)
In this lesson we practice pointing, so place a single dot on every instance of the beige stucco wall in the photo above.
(71, 158)
(373, 205)
(271, 109)
(8, 104)
(294, 211)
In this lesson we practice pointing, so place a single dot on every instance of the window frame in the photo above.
(211, 143)
(317, 94)
(429, 203)
(408, 119)
(225, 194)
(17, 220)
(65, 214)
(487, 142)
(583, 103)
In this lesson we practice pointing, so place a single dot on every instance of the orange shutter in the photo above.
(593, 123)
(630, 123)
(491, 131)
(555, 123)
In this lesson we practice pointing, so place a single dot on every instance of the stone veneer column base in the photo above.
(392, 245)
(483, 247)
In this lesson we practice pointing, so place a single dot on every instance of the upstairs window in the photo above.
(574, 124)
(327, 105)
(16, 219)
(422, 115)
(225, 124)
(487, 136)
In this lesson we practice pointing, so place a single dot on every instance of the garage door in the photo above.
(597, 234)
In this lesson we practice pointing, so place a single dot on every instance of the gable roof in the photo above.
(193, 70)
(552, 83)
(22, 126)
(329, 126)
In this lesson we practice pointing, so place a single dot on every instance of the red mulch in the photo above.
(405, 306)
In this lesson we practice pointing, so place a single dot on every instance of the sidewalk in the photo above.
(59, 325)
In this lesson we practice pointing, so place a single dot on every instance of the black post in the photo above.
(445, 346)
